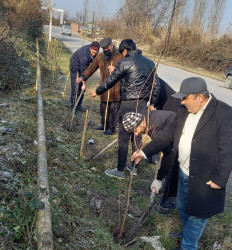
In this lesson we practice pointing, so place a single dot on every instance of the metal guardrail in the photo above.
(44, 226)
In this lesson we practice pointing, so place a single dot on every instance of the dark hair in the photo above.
(95, 45)
(127, 44)
(205, 94)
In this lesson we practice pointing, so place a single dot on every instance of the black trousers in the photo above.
(112, 114)
(165, 163)
(123, 136)
(75, 90)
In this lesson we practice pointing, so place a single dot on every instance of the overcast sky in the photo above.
(109, 7)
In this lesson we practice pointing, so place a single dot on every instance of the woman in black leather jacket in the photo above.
(136, 75)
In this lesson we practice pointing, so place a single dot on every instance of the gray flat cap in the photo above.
(192, 85)
(105, 42)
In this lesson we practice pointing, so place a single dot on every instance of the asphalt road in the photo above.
(173, 76)
(71, 42)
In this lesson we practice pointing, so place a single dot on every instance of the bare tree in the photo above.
(216, 15)
(199, 12)
(135, 12)
(180, 12)
(79, 17)
(67, 17)
(161, 12)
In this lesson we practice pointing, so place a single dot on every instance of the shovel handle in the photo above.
(152, 197)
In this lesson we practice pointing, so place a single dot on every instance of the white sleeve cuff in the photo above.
(145, 157)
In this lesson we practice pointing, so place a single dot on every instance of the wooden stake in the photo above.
(133, 232)
(91, 108)
(65, 87)
(74, 108)
(145, 142)
(107, 104)
(127, 204)
(54, 62)
(83, 136)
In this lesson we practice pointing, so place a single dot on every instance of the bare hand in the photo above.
(151, 108)
(213, 185)
(79, 80)
(111, 69)
(93, 94)
(83, 87)
(137, 156)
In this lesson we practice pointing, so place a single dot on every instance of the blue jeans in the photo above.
(193, 227)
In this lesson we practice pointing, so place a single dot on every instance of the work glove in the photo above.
(156, 186)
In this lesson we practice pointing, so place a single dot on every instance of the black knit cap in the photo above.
(131, 121)
(95, 45)
(105, 42)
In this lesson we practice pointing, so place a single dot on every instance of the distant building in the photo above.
(75, 27)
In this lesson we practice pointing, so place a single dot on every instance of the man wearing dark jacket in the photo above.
(165, 100)
(160, 123)
(136, 75)
(202, 142)
(109, 57)
(79, 61)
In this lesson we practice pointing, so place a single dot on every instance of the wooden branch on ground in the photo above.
(104, 149)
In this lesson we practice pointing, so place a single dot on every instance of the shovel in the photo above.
(131, 235)
(135, 230)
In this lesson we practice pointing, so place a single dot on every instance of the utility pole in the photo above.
(85, 11)
(169, 32)
(50, 27)
(93, 25)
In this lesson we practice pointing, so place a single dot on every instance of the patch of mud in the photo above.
(111, 208)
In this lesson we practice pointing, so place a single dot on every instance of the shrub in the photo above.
(20, 23)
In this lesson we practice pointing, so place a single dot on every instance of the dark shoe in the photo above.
(115, 173)
(176, 236)
(81, 109)
(101, 127)
(169, 202)
(163, 210)
(76, 113)
(132, 170)
(108, 132)
(178, 248)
